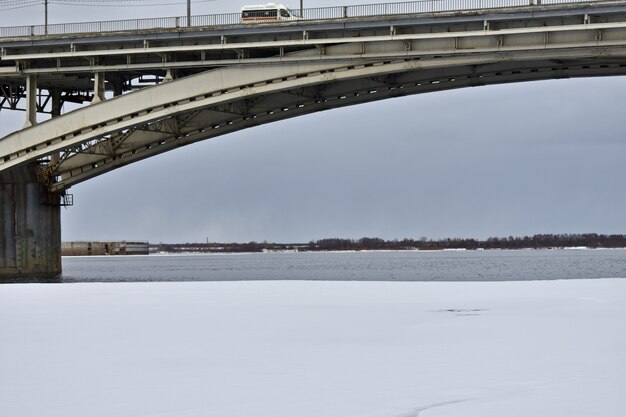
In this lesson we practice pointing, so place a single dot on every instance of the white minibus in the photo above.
(269, 12)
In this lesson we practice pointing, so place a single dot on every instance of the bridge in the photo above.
(154, 85)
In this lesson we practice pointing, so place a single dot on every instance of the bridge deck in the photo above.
(135, 58)
(420, 7)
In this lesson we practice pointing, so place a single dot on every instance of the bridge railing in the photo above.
(408, 7)
(337, 12)
(213, 20)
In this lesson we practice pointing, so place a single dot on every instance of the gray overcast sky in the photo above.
(541, 157)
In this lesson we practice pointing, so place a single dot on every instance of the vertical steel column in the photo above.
(55, 96)
(98, 88)
(118, 88)
(31, 101)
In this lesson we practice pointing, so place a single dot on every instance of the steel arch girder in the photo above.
(335, 95)
(168, 116)
(212, 88)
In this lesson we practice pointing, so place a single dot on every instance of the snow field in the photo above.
(314, 349)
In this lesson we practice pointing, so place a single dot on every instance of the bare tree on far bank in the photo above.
(540, 241)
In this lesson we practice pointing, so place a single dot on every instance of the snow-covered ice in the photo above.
(314, 349)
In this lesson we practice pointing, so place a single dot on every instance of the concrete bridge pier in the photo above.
(30, 226)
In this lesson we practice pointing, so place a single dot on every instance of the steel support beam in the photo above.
(31, 101)
(55, 95)
(98, 88)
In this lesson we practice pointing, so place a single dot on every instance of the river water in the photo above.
(496, 265)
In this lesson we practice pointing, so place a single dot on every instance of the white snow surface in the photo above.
(314, 349)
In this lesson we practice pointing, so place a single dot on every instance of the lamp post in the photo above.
(188, 12)
(45, 12)
(301, 8)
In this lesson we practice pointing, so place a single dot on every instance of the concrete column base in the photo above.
(30, 227)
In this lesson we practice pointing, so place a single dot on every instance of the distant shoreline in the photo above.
(382, 251)
(543, 241)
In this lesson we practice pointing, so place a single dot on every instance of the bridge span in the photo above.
(152, 90)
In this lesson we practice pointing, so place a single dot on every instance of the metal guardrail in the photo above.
(336, 12)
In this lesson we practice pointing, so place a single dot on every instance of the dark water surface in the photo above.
(344, 266)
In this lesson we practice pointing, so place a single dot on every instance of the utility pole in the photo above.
(188, 12)
(45, 12)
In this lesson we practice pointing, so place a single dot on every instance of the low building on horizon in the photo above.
(95, 248)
